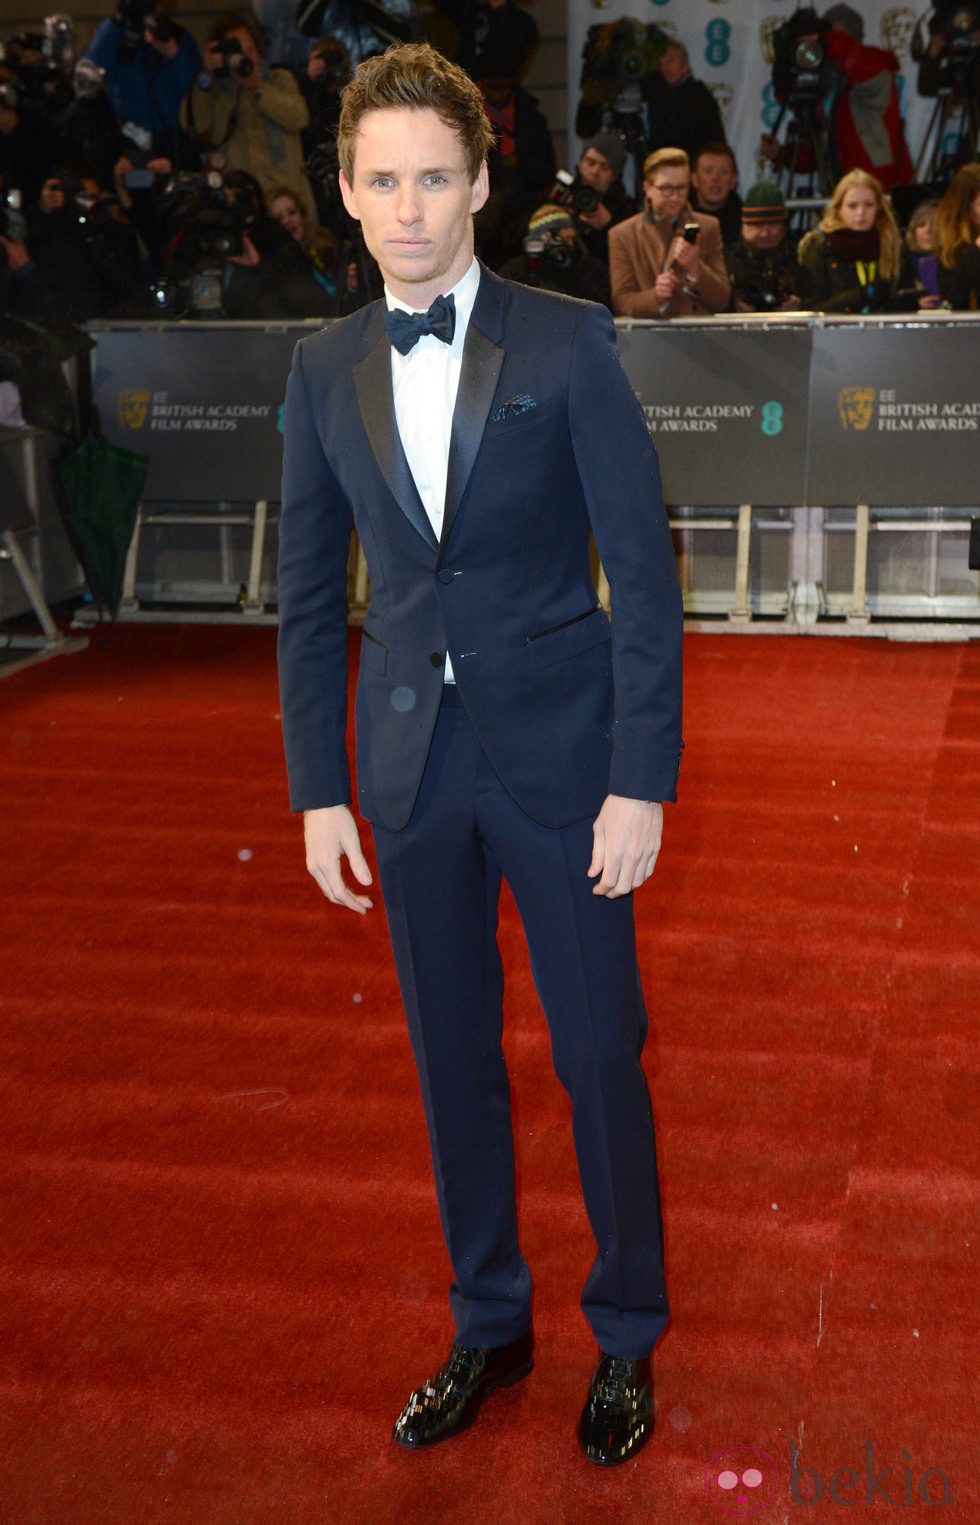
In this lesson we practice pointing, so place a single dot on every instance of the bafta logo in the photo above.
(724, 95)
(767, 30)
(855, 405)
(132, 405)
(897, 26)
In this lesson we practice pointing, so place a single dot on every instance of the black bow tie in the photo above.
(405, 329)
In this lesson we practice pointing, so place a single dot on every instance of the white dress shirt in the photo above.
(425, 383)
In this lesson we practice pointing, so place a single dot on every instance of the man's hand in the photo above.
(599, 219)
(666, 285)
(52, 197)
(331, 833)
(626, 841)
(685, 257)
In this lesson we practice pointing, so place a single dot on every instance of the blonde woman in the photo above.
(958, 229)
(855, 260)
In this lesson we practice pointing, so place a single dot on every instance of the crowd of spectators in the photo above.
(151, 178)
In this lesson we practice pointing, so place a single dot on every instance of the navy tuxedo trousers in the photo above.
(440, 877)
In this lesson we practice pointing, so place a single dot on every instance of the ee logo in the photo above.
(772, 418)
(718, 34)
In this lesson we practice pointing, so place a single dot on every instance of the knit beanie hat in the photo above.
(611, 148)
(764, 203)
(549, 219)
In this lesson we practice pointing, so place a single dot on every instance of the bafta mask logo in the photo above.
(132, 405)
(724, 95)
(855, 405)
(897, 26)
(767, 29)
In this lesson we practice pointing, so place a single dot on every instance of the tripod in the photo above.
(803, 164)
(956, 110)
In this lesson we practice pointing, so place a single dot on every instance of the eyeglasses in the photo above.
(671, 190)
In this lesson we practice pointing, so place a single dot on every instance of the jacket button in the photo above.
(437, 659)
(445, 575)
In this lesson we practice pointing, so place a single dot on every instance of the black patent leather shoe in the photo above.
(618, 1415)
(450, 1401)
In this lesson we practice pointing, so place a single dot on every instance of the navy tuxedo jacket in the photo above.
(548, 443)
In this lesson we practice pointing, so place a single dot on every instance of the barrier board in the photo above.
(726, 405)
(203, 401)
(895, 414)
(793, 412)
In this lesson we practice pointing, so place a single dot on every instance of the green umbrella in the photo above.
(101, 485)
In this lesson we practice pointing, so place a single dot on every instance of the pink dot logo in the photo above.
(742, 1480)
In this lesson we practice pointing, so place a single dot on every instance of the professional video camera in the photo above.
(574, 197)
(800, 71)
(617, 59)
(209, 220)
(954, 68)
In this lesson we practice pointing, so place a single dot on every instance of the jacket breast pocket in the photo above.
(516, 425)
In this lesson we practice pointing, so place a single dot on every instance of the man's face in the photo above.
(672, 65)
(715, 178)
(594, 169)
(667, 189)
(412, 194)
(764, 235)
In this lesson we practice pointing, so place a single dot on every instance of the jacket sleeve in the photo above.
(620, 475)
(314, 541)
(629, 299)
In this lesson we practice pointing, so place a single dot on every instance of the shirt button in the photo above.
(437, 659)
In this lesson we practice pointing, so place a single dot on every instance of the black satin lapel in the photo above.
(372, 382)
(482, 362)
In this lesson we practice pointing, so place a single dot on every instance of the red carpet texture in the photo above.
(220, 1263)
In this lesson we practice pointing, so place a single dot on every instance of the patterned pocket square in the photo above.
(521, 403)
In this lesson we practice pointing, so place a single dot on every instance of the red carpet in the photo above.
(220, 1270)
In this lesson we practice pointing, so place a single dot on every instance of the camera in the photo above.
(236, 65)
(542, 250)
(800, 74)
(953, 68)
(13, 223)
(775, 287)
(210, 223)
(575, 198)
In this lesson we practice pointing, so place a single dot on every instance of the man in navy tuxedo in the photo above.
(476, 432)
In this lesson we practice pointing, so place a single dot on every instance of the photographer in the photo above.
(491, 27)
(149, 65)
(595, 195)
(246, 115)
(762, 265)
(41, 64)
(27, 145)
(667, 262)
(363, 26)
(556, 259)
(867, 122)
(82, 261)
(683, 113)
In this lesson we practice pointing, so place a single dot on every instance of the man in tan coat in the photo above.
(654, 270)
(247, 115)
